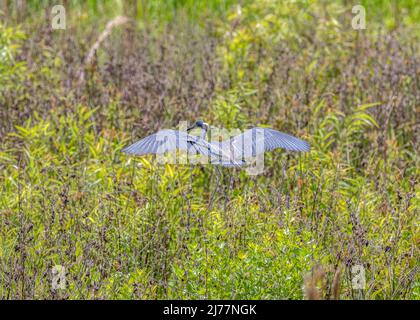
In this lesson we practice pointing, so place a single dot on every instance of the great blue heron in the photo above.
(228, 153)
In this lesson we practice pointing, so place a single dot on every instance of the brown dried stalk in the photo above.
(117, 21)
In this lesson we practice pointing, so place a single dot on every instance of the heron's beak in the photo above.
(192, 127)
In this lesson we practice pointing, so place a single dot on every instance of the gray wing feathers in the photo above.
(161, 142)
(258, 140)
(248, 144)
(279, 139)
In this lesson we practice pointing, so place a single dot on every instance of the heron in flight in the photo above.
(228, 153)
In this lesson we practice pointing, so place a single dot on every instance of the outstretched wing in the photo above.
(161, 142)
(258, 140)
(169, 140)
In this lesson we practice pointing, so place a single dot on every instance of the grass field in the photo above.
(338, 222)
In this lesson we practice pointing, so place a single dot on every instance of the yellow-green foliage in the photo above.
(126, 227)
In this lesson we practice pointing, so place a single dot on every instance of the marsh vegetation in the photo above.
(124, 227)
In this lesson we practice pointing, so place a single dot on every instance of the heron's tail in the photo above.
(232, 163)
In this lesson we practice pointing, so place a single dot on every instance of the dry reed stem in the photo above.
(117, 21)
(336, 285)
(311, 291)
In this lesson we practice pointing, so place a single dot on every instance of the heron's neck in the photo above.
(203, 133)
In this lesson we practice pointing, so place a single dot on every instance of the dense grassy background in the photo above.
(125, 227)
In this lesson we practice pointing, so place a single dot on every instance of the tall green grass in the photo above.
(127, 228)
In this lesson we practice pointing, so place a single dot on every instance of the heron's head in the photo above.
(200, 124)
